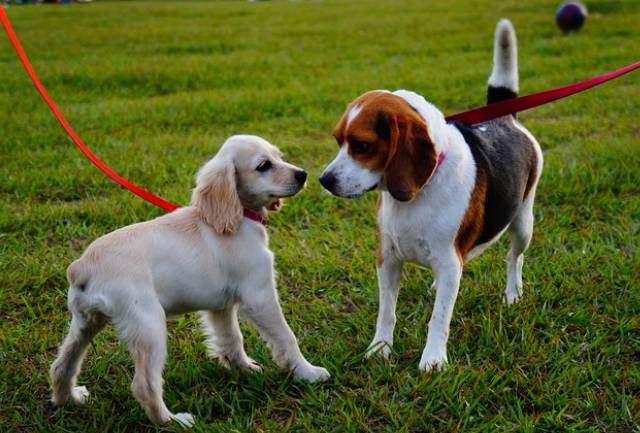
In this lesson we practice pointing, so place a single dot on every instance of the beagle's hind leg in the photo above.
(520, 232)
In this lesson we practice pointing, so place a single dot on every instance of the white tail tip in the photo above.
(505, 57)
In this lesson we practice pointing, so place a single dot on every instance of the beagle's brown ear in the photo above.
(216, 197)
(412, 156)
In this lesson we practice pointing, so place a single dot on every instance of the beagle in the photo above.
(212, 257)
(447, 190)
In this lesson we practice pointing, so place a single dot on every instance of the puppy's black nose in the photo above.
(301, 176)
(328, 180)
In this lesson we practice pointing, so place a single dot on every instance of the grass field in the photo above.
(155, 88)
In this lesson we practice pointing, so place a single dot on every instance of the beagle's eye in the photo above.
(358, 147)
(264, 166)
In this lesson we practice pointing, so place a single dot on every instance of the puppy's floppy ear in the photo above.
(412, 157)
(216, 197)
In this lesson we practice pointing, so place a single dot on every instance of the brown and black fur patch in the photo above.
(369, 128)
(506, 165)
(473, 222)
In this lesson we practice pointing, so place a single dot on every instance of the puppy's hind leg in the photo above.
(224, 338)
(144, 330)
(65, 369)
(520, 232)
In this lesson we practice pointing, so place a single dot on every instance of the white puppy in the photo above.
(212, 256)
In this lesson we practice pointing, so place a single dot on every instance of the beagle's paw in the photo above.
(379, 348)
(432, 362)
(512, 296)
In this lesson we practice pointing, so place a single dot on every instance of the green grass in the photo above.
(155, 88)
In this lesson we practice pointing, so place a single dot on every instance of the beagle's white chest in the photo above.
(404, 231)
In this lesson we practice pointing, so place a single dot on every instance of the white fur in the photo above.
(355, 179)
(434, 118)
(139, 274)
(353, 113)
(505, 57)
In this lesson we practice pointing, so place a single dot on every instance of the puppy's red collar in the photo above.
(255, 216)
(441, 158)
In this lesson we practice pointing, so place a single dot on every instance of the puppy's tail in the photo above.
(83, 295)
(503, 82)
(78, 275)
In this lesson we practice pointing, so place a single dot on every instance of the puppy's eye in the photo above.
(264, 166)
(358, 147)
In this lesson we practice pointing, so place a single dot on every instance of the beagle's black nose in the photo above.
(301, 176)
(328, 180)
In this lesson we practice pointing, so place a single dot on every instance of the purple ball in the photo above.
(571, 16)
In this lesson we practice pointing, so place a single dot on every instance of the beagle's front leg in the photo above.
(389, 272)
(447, 270)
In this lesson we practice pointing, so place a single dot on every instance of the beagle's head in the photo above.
(247, 172)
(384, 143)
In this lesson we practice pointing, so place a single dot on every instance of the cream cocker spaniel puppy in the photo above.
(212, 256)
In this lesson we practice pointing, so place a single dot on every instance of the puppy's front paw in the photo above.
(311, 373)
(432, 362)
(184, 419)
(79, 394)
(242, 361)
(379, 348)
(249, 365)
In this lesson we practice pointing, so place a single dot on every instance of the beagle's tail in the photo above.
(503, 82)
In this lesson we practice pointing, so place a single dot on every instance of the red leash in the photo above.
(145, 195)
(476, 115)
(502, 108)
